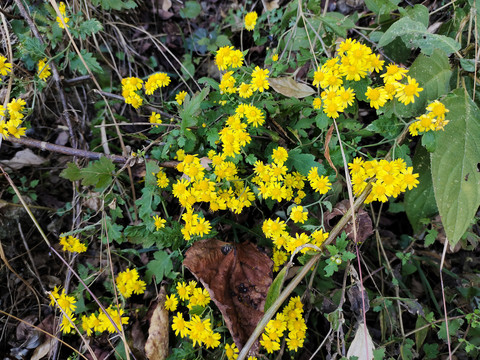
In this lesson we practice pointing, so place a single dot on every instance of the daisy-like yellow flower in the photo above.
(180, 97)
(259, 79)
(5, 67)
(298, 215)
(231, 351)
(245, 91)
(43, 69)
(317, 103)
(16, 105)
(377, 97)
(438, 109)
(128, 282)
(159, 222)
(179, 325)
(155, 118)
(251, 20)
(393, 73)
(171, 302)
(280, 155)
(72, 244)
(406, 92)
(62, 9)
(275, 57)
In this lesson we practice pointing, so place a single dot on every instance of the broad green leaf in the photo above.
(381, 7)
(302, 162)
(98, 173)
(433, 74)
(191, 10)
(275, 288)
(150, 199)
(456, 179)
(420, 201)
(115, 4)
(453, 326)
(339, 23)
(72, 172)
(415, 34)
(417, 13)
(420, 335)
(160, 267)
(191, 107)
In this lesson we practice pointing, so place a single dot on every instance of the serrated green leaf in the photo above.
(150, 199)
(453, 326)
(160, 267)
(275, 288)
(420, 201)
(302, 162)
(72, 172)
(431, 351)
(379, 354)
(339, 23)
(98, 173)
(76, 63)
(89, 27)
(433, 74)
(456, 179)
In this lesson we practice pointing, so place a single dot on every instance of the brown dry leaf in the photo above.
(271, 5)
(238, 277)
(166, 5)
(327, 149)
(290, 88)
(156, 347)
(43, 349)
(364, 223)
(23, 158)
(362, 344)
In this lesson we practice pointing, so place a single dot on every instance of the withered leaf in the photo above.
(290, 87)
(364, 223)
(238, 277)
(156, 347)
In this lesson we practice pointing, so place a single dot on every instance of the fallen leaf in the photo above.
(166, 5)
(287, 86)
(43, 349)
(156, 347)
(238, 277)
(271, 5)
(362, 344)
(364, 223)
(23, 158)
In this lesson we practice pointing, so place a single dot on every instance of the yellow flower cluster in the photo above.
(5, 66)
(234, 135)
(102, 323)
(291, 319)
(353, 62)
(274, 182)
(72, 244)
(43, 69)
(227, 57)
(67, 304)
(162, 180)
(198, 330)
(156, 81)
(276, 230)
(128, 283)
(62, 9)
(251, 20)
(130, 86)
(391, 178)
(12, 127)
(433, 120)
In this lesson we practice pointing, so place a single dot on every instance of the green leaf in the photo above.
(98, 173)
(387, 126)
(191, 10)
(275, 288)
(72, 172)
(76, 63)
(115, 4)
(150, 199)
(302, 162)
(191, 107)
(89, 27)
(456, 179)
(430, 237)
(420, 335)
(160, 267)
(431, 351)
(406, 349)
(415, 34)
(453, 326)
(433, 74)
(339, 23)
(379, 354)
(381, 7)
(420, 201)
(418, 13)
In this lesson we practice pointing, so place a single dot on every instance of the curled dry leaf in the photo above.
(156, 347)
(238, 277)
(290, 88)
(362, 344)
(364, 223)
(23, 158)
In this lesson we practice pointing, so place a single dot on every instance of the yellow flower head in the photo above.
(251, 20)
